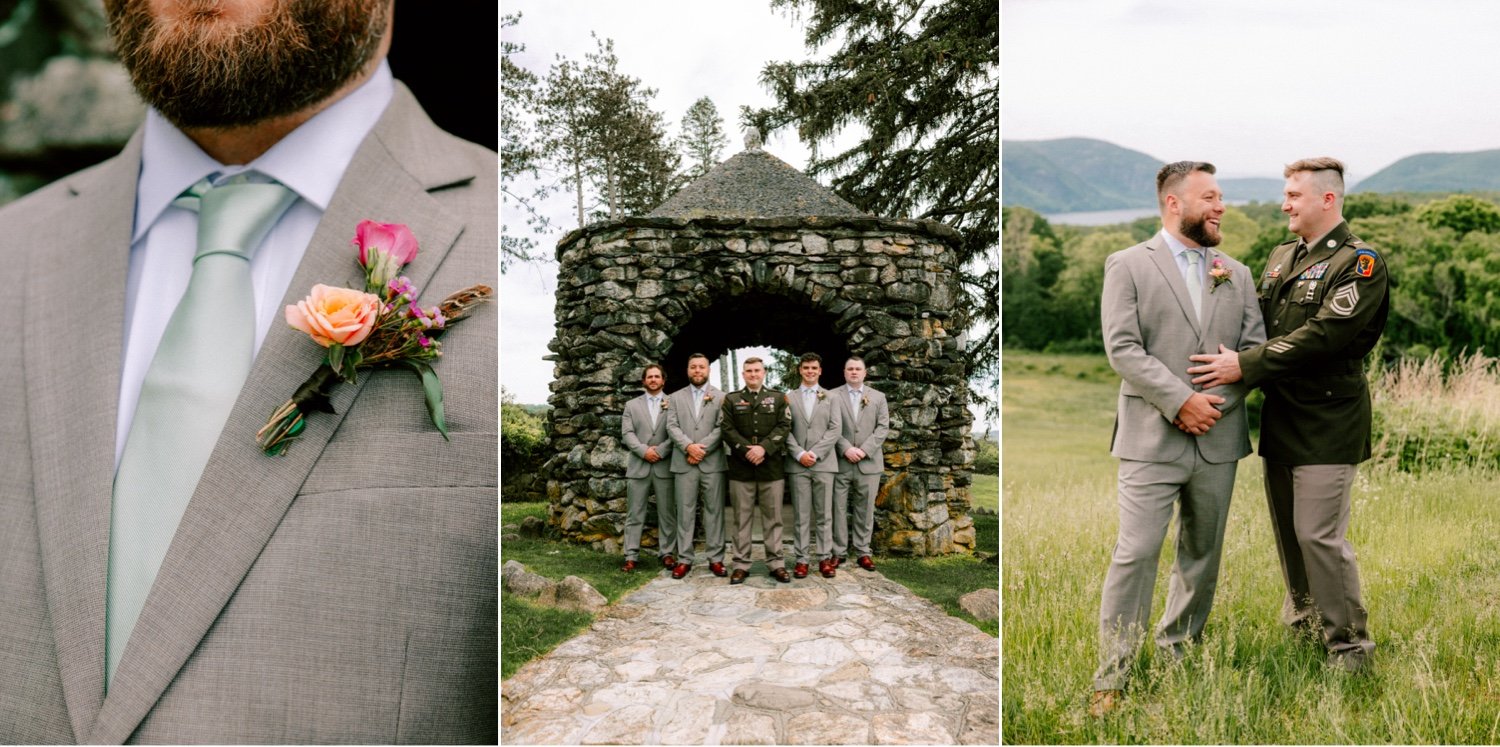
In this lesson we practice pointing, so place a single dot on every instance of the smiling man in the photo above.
(1325, 299)
(1164, 300)
(161, 579)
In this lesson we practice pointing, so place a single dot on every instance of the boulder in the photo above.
(576, 594)
(983, 604)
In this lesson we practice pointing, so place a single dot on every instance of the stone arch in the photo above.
(658, 289)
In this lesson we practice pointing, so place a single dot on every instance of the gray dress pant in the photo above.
(637, 496)
(1148, 491)
(812, 506)
(1310, 516)
(854, 512)
(698, 488)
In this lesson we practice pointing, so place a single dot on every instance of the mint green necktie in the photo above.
(1195, 282)
(189, 389)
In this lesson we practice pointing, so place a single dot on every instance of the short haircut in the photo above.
(696, 356)
(810, 358)
(1327, 173)
(855, 359)
(748, 361)
(1174, 173)
(656, 366)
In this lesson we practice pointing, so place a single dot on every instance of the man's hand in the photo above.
(755, 454)
(1223, 368)
(651, 455)
(695, 453)
(1198, 414)
(807, 459)
(854, 454)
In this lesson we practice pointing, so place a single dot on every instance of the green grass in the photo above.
(985, 492)
(528, 630)
(943, 580)
(1429, 557)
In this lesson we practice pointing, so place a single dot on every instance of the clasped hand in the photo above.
(1199, 413)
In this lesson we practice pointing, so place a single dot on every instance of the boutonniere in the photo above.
(708, 397)
(821, 395)
(1219, 274)
(864, 401)
(664, 405)
(379, 327)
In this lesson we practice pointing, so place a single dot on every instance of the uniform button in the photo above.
(1282, 301)
(1328, 394)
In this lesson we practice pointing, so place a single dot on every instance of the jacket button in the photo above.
(1328, 394)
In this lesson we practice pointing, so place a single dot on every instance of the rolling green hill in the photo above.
(1437, 172)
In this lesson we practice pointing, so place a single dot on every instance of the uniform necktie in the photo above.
(189, 389)
(1195, 282)
(1299, 253)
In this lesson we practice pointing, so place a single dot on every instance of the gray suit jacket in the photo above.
(686, 430)
(637, 433)
(816, 431)
(867, 430)
(1149, 332)
(345, 592)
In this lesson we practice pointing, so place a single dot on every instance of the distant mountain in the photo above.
(1252, 189)
(1082, 174)
(1075, 174)
(1437, 172)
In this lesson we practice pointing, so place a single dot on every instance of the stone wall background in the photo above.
(889, 290)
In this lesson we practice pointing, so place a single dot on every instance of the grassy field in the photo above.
(1429, 555)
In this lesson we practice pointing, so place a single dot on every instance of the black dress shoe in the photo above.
(738, 577)
(781, 575)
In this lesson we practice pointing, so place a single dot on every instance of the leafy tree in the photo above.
(702, 139)
(1462, 214)
(518, 153)
(1367, 204)
(920, 77)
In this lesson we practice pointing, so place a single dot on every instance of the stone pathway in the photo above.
(856, 659)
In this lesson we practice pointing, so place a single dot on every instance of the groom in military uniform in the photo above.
(1325, 300)
(754, 423)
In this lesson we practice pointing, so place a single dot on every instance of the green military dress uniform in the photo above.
(1325, 308)
(762, 419)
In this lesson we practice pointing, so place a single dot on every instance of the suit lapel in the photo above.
(1210, 297)
(1161, 254)
(72, 364)
(243, 494)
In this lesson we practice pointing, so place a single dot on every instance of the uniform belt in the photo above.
(1333, 368)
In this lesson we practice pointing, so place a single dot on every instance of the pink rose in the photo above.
(384, 248)
(335, 315)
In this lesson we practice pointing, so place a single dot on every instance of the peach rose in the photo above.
(335, 315)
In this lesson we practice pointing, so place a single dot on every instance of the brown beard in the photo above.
(199, 74)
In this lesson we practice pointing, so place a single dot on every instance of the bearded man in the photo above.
(163, 579)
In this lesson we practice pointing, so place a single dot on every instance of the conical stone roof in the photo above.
(754, 184)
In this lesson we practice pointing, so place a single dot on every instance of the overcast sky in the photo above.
(1253, 84)
(684, 49)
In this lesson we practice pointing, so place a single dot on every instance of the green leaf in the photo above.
(432, 389)
(336, 358)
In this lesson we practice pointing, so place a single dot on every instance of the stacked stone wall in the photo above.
(890, 287)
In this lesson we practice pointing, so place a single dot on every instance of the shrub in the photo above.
(987, 461)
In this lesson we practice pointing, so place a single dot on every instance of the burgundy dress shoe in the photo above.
(629, 566)
(667, 561)
(826, 567)
(681, 570)
(738, 577)
(838, 560)
(718, 569)
(800, 571)
(866, 563)
(780, 574)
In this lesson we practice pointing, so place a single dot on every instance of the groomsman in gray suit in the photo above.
(1164, 300)
(811, 466)
(865, 419)
(697, 467)
(643, 429)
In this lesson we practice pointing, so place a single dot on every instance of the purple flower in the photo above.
(426, 343)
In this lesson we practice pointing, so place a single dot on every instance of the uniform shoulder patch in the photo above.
(1364, 262)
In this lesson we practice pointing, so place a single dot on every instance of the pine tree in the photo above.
(921, 78)
(702, 139)
(518, 154)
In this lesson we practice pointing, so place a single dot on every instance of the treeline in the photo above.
(1442, 252)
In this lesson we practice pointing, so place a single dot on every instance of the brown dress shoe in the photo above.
(629, 566)
(780, 574)
(826, 568)
(681, 570)
(1104, 702)
(667, 561)
(800, 571)
(738, 577)
(718, 569)
(866, 563)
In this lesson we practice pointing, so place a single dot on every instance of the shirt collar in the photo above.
(1178, 247)
(310, 160)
